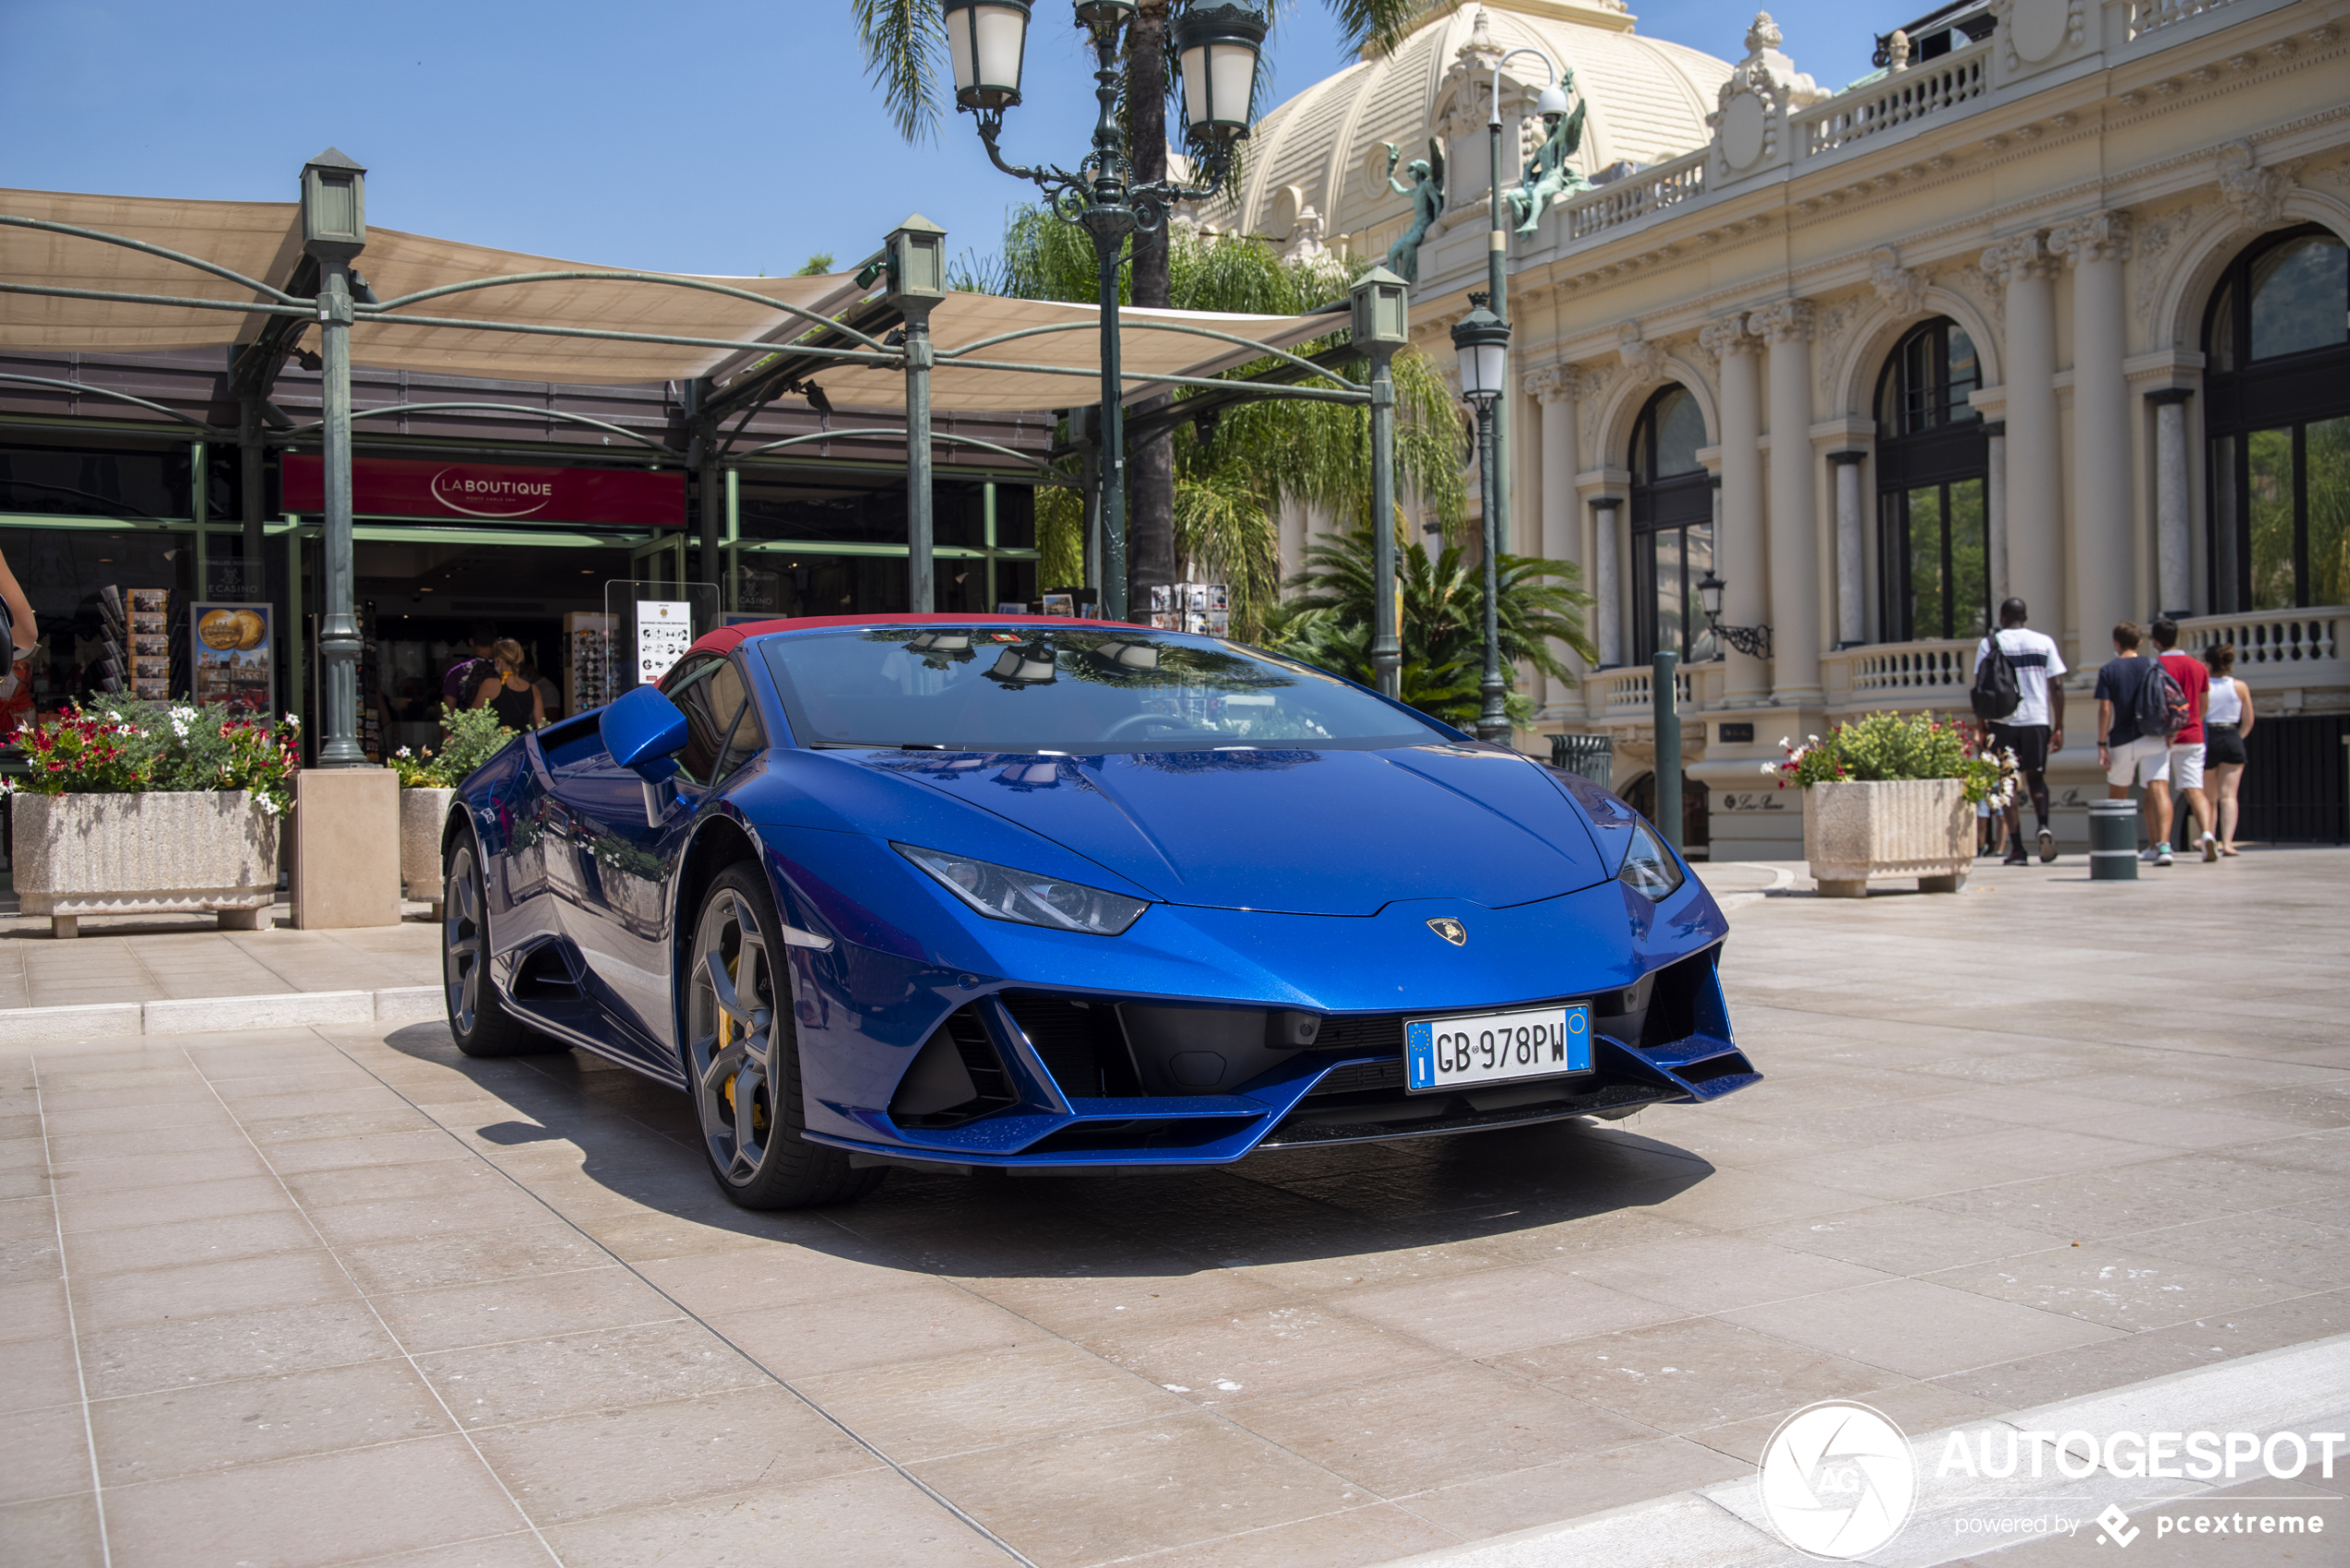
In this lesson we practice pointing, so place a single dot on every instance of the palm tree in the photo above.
(905, 45)
(1442, 624)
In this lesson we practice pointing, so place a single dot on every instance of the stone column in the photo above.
(2035, 507)
(2105, 586)
(1850, 621)
(1607, 582)
(1738, 544)
(1555, 463)
(2172, 511)
(1995, 510)
(1794, 613)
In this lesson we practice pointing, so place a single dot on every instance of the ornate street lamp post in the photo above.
(1482, 341)
(333, 230)
(1217, 48)
(1752, 641)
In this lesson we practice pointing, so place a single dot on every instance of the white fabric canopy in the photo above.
(262, 239)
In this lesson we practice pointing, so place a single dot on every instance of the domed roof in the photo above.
(1325, 147)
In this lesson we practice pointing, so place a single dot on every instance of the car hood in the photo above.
(1320, 833)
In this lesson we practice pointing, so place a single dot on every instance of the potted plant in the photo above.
(428, 782)
(1892, 795)
(147, 807)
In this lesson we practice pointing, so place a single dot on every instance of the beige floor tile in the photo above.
(1753, 1198)
(1711, 1274)
(96, 1253)
(1498, 1310)
(254, 1420)
(58, 1531)
(322, 1509)
(373, 1149)
(1434, 1429)
(637, 1234)
(2106, 1284)
(915, 1322)
(126, 1126)
(777, 1275)
(1150, 1486)
(646, 1456)
(272, 1133)
(1569, 1238)
(1698, 1373)
(1915, 1328)
(208, 1290)
(93, 1148)
(2271, 1244)
(1521, 1499)
(346, 1185)
(1374, 1263)
(502, 1207)
(1900, 1239)
(167, 1202)
(31, 1310)
(547, 1246)
(1355, 1538)
(869, 1519)
(607, 1368)
(186, 1352)
(989, 1399)
(1914, 1407)
(44, 1454)
(1086, 1305)
(1286, 1349)
(498, 1310)
(519, 1548)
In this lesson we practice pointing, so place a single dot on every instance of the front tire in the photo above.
(477, 1019)
(742, 1058)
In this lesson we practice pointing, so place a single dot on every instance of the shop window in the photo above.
(2277, 416)
(1932, 464)
(1672, 529)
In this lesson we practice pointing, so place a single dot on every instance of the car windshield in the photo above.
(1080, 690)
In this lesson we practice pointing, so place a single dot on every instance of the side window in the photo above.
(689, 687)
(749, 737)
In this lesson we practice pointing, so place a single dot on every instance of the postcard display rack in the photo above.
(148, 641)
(586, 661)
(1204, 608)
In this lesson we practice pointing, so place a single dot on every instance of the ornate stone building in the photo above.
(2054, 304)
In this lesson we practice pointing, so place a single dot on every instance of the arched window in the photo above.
(1672, 529)
(1932, 538)
(2276, 379)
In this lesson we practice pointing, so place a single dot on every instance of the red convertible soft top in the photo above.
(727, 638)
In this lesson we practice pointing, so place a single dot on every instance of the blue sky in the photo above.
(720, 137)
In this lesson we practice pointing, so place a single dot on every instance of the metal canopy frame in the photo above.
(889, 330)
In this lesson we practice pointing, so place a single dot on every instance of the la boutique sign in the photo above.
(498, 492)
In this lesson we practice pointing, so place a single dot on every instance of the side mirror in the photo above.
(644, 731)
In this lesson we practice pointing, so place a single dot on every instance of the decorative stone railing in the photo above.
(1897, 101)
(1629, 693)
(2280, 647)
(1636, 196)
(1901, 674)
(2152, 15)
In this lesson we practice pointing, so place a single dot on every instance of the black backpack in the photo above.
(2162, 705)
(1996, 693)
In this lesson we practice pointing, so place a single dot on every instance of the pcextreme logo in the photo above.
(1838, 1480)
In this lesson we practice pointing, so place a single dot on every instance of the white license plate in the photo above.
(1469, 1048)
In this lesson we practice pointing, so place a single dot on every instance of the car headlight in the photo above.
(1649, 869)
(1002, 894)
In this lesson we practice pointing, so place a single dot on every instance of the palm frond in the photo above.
(903, 42)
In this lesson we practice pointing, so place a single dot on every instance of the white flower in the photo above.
(1785, 742)
(269, 806)
(401, 752)
(1813, 739)
(293, 721)
(115, 716)
(1770, 769)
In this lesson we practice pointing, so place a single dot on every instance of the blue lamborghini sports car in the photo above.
(1053, 894)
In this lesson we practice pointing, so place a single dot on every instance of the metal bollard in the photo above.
(2113, 841)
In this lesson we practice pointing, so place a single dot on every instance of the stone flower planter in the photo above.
(172, 851)
(1921, 828)
(423, 813)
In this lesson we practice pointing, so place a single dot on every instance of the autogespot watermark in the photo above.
(1838, 1480)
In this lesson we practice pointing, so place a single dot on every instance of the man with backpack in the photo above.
(2187, 746)
(2016, 672)
(2139, 707)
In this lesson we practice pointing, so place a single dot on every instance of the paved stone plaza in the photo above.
(340, 1295)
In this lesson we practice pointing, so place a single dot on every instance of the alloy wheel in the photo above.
(731, 1025)
(460, 940)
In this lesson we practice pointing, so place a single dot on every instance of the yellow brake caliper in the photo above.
(726, 1038)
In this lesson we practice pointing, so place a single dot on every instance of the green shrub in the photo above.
(1886, 747)
(471, 736)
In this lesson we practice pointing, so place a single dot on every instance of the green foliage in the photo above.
(1897, 745)
(469, 737)
(130, 746)
(815, 266)
(1442, 624)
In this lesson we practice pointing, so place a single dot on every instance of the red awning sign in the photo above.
(496, 492)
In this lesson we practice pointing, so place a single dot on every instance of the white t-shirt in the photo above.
(2036, 662)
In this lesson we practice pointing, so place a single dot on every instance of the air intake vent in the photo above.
(954, 1078)
(1080, 1042)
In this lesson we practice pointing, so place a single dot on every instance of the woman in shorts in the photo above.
(2227, 718)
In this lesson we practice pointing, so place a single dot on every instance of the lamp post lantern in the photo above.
(1752, 641)
(1482, 341)
(1216, 49)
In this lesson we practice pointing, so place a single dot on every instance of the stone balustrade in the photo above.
(2276, 648)
(1636, 196)
(1895, 101)
(2152, 15)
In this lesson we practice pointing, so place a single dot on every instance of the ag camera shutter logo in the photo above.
(1838, 1480)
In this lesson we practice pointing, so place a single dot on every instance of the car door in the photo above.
(628, 837)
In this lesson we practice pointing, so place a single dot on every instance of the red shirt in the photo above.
(2196, 681)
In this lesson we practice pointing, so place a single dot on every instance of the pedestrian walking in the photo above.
(2037, 726)
(2227, 719)
(514, 699)
(2131, 748)
(21, 631)
(464, 678)
(2187, 746)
